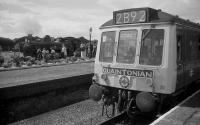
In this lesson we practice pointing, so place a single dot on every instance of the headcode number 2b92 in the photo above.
(131, 17)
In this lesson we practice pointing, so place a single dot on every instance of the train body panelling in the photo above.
(143, 57)
(159, 79)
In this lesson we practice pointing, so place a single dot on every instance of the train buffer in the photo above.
(186, 113)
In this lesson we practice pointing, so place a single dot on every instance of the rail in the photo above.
(116, 119)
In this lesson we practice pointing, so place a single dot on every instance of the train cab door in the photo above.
(180, 58)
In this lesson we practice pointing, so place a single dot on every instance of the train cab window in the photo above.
(127, 46)
(107, 46)
(151, 47)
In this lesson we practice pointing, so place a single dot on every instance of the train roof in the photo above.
(155, 16)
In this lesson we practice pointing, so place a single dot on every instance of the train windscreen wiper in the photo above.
(145, 35)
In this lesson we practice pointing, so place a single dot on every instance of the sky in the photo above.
(63, 18)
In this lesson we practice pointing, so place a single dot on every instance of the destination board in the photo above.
(135, 15)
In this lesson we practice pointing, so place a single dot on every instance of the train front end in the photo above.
(134, 64)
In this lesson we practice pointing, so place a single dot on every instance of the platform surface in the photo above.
(186, 113)
(33, 75)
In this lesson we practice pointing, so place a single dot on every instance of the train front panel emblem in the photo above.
(124, 81)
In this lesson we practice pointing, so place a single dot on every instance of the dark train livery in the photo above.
(145, 55)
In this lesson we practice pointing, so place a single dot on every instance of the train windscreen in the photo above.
(107, 46)
(127, 46)
(151, 47)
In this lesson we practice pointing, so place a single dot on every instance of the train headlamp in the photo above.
(104, 77)
(149, 82)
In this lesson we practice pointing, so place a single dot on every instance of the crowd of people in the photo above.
(45, 54)
(51, 54)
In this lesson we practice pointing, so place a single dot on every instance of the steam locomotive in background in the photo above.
(144, 56)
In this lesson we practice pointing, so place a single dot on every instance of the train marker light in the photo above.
(149, 82)
(105, 78)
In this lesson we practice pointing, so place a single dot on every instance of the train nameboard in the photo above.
(128, 72)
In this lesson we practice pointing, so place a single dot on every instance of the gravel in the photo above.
(86, 112)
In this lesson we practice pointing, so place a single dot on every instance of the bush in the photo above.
(28, 63)
(47, 57)
(7, 64)
(73, 59)
(17, 60)
(38, 62)
(56, 56)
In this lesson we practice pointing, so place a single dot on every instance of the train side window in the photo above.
(199, 43)
(179, 39)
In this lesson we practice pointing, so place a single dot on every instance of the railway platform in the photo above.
(185, 113)
(30, 81)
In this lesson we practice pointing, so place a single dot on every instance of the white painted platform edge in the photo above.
(170, 111)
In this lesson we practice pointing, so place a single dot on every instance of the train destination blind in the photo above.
(131, 16)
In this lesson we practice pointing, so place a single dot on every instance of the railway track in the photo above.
(86, 112)
(90, 113)
(118, 119)
(121, 119)
(16, 109)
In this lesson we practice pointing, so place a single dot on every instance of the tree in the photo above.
(47, 38)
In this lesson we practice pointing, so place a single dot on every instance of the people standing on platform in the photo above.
(86, 50)
(94, 50)
(52, 53)
(63, 51)
(47, 51)
(52, 50)
(89, 50)
(43, 54)
(39, 54)
(83, 51)
(47, 56)
(1, 57)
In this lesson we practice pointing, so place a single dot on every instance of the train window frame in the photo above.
(179, 39)
(113, 49)
(163, 44)
(199, 42)
(136, 41)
